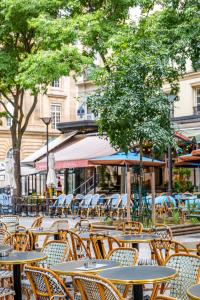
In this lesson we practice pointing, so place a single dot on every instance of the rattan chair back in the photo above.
(21, 241)
(46, 284)
(77, 246)
(37, 223)
(162, 231)
(4, 236)
(56, 251)
(187, 267)
(162, 249)
(10, 219)
(93, 287)
(125, 256)
(103, 244)
(83, 226)
(131, 227)
(3, 225)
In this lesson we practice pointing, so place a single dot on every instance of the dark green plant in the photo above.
(175, 217)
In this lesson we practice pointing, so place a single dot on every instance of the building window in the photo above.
(55, 115)
(9, 121)
(9, 154)
(56, 83)
(198, 97)
(197, 101)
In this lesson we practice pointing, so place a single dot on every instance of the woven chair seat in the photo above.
(6, 292)
(5, 274)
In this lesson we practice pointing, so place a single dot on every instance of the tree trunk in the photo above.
(140, 181)
(17, 171)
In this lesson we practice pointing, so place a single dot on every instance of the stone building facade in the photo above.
(59, 103)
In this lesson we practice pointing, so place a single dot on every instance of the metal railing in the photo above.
(87, 186)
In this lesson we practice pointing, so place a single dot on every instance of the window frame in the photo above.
(54, 117)
(56, 84)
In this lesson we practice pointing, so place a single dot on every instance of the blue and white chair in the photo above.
(58, 205)
(85, 204)
(113, 204)
(68, 203)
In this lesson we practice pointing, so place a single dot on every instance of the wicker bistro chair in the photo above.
(37, 222)
(76, 203)
(58, 207)
(57, 225)
(56, 251)
(162, 231)
(162, 250)
(113, 204)
(187, 266)
(68, 204)
(103, 244)
(3, 225)
(127, 257)
(85, 204)
(21, 241)
(93, 287)
(131, 227)
(6, 293)
(122, 208)
(4, 235)
(83, 226)
(10, 219)
(78, 249)
(93, 207)
(46, 284)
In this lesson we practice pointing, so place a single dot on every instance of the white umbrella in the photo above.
(9, 173)
(51, 176)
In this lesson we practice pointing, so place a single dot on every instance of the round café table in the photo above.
(71, 268)
(17, 259)
(135, 239)
(194, 292)
(43, 231)
(86, 235)
(138, 276)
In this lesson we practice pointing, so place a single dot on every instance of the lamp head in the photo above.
(46, 120)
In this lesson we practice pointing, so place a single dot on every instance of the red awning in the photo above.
(77, 153)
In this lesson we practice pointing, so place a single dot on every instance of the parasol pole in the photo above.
(128, 181)
(153, 196)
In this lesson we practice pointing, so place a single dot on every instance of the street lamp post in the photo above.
(171, 99)
(47, 121)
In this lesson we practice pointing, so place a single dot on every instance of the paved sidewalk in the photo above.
(144, 248)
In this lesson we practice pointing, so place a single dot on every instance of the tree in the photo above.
(36, 48)
(97, 21)
(132, 106)
(177, 25)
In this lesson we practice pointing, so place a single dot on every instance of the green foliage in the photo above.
(131, 104)
(194, 220)
(182, 182)
(175, 217)
(36, 44)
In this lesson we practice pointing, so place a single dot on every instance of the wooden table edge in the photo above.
(72, 273)
(190, 295)
(141, 282)
(23, 262)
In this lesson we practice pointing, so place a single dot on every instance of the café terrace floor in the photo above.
(144, 250)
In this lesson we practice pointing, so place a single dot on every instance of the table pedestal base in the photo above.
(17, 282)
(138, 292)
